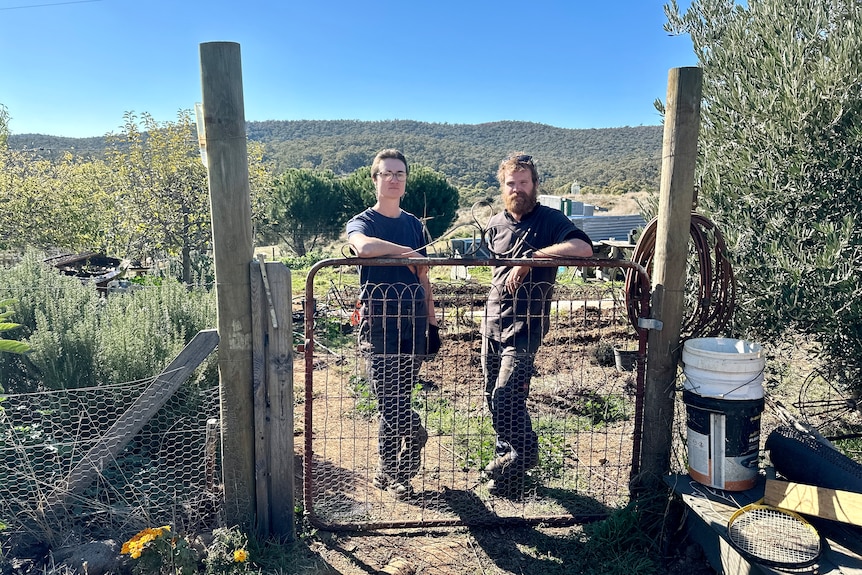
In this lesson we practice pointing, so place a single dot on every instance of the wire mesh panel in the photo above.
(434, 431)
(166, 473)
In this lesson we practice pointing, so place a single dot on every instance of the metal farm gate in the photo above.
(585, 402)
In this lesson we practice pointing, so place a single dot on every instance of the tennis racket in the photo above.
(774, 537)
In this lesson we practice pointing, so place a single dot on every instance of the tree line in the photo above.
(145, 195)
(607, 160)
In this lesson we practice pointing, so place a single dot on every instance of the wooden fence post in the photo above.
(227, 164)
(679, 159)
(273, 398)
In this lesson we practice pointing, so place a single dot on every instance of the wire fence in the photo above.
(164, 469)
(583, 403)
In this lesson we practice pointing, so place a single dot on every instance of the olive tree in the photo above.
(780, 166)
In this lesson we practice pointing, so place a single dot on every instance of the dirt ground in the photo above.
(517, 550)
(547, 549)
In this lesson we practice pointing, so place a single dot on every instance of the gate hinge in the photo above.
(648, 323)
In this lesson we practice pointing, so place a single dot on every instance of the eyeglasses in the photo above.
(397, 176)
(524, 159)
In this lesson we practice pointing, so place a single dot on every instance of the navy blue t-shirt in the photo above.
(405, 230)
(526, 312)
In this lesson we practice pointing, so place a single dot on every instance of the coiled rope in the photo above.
(709, 308)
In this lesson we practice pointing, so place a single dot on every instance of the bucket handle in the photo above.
(741, 385)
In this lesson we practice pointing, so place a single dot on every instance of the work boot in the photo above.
(495, 468)
(510, 464)
(399, 488)
(411, 454)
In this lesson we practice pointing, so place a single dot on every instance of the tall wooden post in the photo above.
(679, 159)
(227, 162)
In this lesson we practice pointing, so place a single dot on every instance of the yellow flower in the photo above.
(135, 546)
(240, 555)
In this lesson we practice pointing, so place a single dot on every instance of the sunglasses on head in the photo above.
(523, 159)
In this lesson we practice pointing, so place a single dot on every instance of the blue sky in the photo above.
(74, 67)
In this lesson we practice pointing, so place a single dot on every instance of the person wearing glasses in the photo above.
(395, 310)
(517, 315)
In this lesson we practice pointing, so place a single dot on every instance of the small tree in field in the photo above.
(306, 207)
(162, 194)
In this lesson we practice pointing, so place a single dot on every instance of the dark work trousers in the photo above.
(508, 369)
(390, 338)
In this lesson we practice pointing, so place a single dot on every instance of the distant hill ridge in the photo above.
(615, 160)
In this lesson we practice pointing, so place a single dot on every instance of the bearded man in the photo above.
(517, 315)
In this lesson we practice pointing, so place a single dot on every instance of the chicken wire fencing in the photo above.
(165, 473)
(395, 436)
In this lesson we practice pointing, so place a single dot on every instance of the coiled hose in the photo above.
(715, 293)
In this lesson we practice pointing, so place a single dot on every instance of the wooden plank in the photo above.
(141, 411)
(833, 504)
(261, 428)
(279, 387)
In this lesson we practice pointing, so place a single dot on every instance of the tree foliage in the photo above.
(431, 198)
(467, 155)
(46, 203)
(163, 200)
(305, 207)
(4, 125)
(780, 163)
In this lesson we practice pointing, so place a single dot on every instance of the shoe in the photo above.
(497, 466)
(510, 464)
(410, 458)
(397, 488)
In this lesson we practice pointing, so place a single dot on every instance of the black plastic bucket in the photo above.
(723, 440)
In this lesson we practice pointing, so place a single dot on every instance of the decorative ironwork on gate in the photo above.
(585, 403)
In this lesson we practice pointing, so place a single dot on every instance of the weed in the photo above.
(365, 405)
(621, 544)
(228, 553)
(603, 409)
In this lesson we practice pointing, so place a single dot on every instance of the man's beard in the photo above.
(515, 207)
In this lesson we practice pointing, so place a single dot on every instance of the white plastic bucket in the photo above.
(723, 368)
(723, 395)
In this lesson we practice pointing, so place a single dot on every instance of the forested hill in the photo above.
(608, 160)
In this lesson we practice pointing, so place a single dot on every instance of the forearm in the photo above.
(429, 298)
(368, 247)
(575, 248)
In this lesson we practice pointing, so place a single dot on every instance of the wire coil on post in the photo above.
(716, 290)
